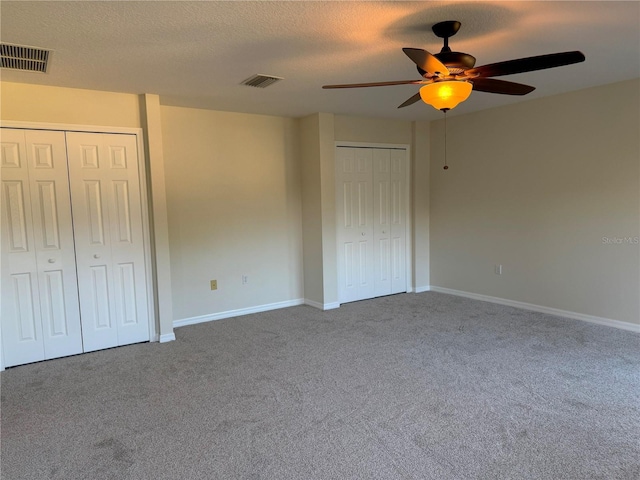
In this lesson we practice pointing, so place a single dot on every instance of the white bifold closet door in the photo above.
(73, 259)
(354, 191)
(40, 312)
(389, 221)
(105, 194)
(371, 222)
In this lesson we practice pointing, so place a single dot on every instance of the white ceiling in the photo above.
(196, 53)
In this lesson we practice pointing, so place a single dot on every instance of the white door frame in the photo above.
(407, 199)
(154, 327)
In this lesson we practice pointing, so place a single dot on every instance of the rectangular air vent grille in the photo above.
(28, 59)
(261, 81)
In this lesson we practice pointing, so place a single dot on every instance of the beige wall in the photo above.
(536, 187)
(309, 130)
(371, 130)
(38, 103)
(328, 189)
(420, 169)
(234, 209)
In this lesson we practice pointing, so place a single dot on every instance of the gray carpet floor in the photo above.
(412, 386)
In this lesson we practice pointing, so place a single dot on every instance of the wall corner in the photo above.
(420, 186)
(152, 126)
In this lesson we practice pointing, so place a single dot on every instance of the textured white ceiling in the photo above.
(196, 53)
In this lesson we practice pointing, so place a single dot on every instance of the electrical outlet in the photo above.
(214, 284)
(245, 279)
(498, 269)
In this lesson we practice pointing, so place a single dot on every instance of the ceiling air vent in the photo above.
(261, 81)
(29, 59)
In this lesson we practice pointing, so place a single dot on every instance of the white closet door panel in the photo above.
(12, 149)
(382, 267)
(93, 249)
(16, 214)
(130, 282)
(98, 290)
(106, 193)
(94, 213)
(122, 209)
(53, 236)
(126, 293)
(355, 224)
(53, 304)
(48, 206)
(25, 308)
(382, 226)
(398, 215)
(39, 298)
(21, 326)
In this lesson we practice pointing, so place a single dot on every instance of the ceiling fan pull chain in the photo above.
(446, 167)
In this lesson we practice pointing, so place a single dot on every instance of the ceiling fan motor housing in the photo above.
(456, 59)
(456, 62)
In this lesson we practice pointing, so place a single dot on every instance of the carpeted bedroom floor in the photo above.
(412, 386)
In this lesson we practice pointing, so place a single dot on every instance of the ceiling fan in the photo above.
(449, 77)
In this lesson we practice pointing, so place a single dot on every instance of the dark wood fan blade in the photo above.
(375, 84)
(528, 64)
(411, 100)
(426, 61)
(492, 85)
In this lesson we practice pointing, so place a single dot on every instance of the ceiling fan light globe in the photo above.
(445, 95)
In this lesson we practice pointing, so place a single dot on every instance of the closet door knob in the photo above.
(363, 234)
(96, 256)
(52, 260)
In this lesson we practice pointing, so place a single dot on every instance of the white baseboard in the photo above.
(424, 288)
(167, 337)
(542, 309)
(321, 306)
(236, 313)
